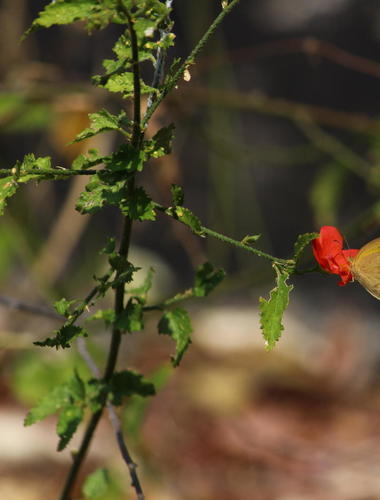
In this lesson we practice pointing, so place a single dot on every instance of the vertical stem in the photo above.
(119, 292)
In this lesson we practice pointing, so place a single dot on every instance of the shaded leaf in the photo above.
(177, 324)
(161, 143)
(126, 383)
(272, 310)
(206, 279)
(138, 206)
(131, 319)
(63, 336)
(177, 195)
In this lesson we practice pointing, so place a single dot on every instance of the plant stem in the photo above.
(241, 245)
(119, 292)
(187, 62)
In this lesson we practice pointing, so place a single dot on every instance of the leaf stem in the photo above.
(188, 61)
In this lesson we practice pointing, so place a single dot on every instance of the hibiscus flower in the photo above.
(328, 252)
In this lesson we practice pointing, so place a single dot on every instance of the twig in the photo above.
(188, 61)
(241, 245)
(50, 172)
(114, 419)
(159, 63)
(335, 148)
(260, 103)
(29, 308)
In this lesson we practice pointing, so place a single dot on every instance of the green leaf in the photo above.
(98, 194)
(206, 279)
(48, 405)
(250, 238)
(83, 162)
(161, 143)
(303, 240)
(8, 187)
(131, 319)
(142, 291)
(62, 12)
(68, 400)
(63, 336)
(122, 83)
(110, 247)
(187, 217)
(63, 306)
(138, 206)
(69, 419)
(96, 484)
(177, 195)
(177, 324)
(124, 269)
(272, 310)
(126, 383)
(100, 122)
(107, 315)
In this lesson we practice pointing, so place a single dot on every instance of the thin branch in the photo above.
(188, 61)
(242, 246)
(260, 103)
(19, 305)
(50, 172)
(159, 63)
(335, 148)
(114, 419)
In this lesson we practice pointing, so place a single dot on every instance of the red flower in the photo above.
(329, 253)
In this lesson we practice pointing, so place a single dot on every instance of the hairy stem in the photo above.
(119, 292)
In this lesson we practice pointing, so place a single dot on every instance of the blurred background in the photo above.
(277, 133)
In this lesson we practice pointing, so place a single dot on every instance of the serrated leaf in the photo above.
(272, 310)
(177, 324)
(96, 484)
(250, 238)
(69, 419)
(142, 291)
(48, 405)
(187, 217)
(107, 315)
(62, 12)
(177, 195)
(8, 187)
(126, 383)
(138, 206)
(97, 194)
(206, 279)
(109, 247)
(101, 121)
(122, 83)
(63, 336)
(63, 306)
(161, 143)
(303, 240)
(132, 318)
(68, 399)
